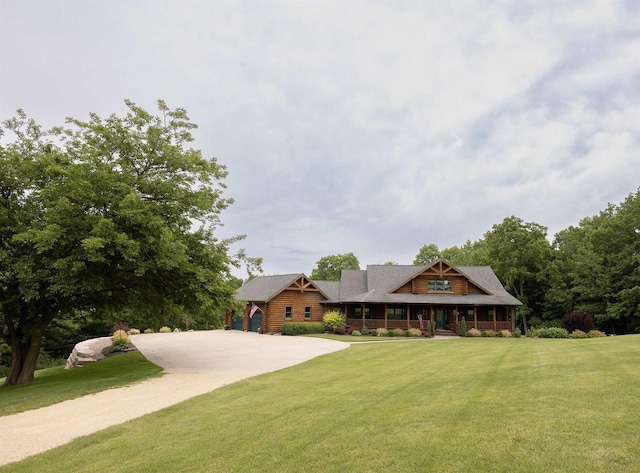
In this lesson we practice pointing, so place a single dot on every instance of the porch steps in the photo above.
(446, 333)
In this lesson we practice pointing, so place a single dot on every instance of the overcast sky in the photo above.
(364, 127)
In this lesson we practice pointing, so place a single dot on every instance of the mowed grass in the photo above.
(461, 405)
(54, 385)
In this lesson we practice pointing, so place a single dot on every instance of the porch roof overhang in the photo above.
(432, 299)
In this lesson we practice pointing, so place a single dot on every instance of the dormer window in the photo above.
(440, 285)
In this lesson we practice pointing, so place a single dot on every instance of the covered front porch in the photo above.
(443, 318)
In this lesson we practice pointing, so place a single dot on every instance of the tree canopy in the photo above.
(107, 215)
(427, 254)
(329, 268)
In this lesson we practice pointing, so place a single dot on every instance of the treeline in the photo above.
(594, 267)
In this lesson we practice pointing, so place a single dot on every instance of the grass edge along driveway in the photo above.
(54, 385)
(498, 405)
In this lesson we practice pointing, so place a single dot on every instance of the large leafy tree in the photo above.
(519, 253)
(106, 215)
(329, 268)
(600, 265)
(427, 254)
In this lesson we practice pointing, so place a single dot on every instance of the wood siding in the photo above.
(460, 285)
(297, 300)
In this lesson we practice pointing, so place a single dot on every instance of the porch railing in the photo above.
(391, 323)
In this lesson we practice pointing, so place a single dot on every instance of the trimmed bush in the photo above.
(413, 332)
(298, 328)
(134, 331)
(463, 327)
(356, 333)
(397, 332)
(164, 329)
(382, 332)
(374, 332)
(340, 330)
(473, 332)
(488, 333)
(578, 321)
(365, 331)
(517, 333)
(596, 334)
(555, 332)
(578, 334)
(120, 341)
(504, 333)
(333, 319)
(149, 330)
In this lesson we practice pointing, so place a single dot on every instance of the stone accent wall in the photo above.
(87, 352)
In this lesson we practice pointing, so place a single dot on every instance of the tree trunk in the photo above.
(24, 355)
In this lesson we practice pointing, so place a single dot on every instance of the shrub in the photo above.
(596, 334)
(463, 327)
(555, 332)
(125, 328)
(134, 331)
(356, 333)
(350, 330)
(499, 334)
(536, 333)
(397, 332)
(340, 330)
(578, 334)
(148, 330)
(297, 328)
(365, 331)
(578, 321)
(391, 333)
(488, 333)
(473, 332)
(374, 332)
(504, 333)
(414, 332)
(382, 332)
(517, 333)
(120, 341)
(164, 329)
(333, 319)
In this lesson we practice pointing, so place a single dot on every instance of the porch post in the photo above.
(433, 328)
(512, 311)
(363, 309)
(408, 316)
(457, 321)
(495, 327)
(475, 317)
(385, 316)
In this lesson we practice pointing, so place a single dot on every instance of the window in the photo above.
(396, 313)
(440, 285)
(288, 311)
(307, 312)
(358, 313)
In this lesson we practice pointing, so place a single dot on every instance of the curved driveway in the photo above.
(195, 363)
(230, 351)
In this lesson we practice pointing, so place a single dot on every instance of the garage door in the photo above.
(255, 322)
(236, 324)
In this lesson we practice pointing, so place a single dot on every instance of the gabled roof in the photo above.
(378, 283)
(265, 288)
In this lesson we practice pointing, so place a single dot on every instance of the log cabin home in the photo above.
(389, 296)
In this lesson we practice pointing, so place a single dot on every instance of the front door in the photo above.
(441, 317)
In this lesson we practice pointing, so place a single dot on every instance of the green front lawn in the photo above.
(54, 385)
(460, 405)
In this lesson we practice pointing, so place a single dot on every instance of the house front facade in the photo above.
(388, 296)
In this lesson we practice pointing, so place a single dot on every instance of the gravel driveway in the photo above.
(195, 363)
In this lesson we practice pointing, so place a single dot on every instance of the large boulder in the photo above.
(87, 352)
